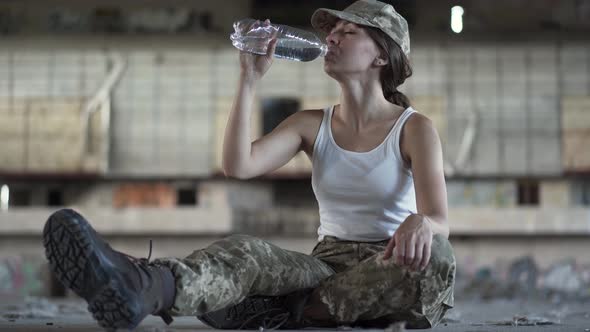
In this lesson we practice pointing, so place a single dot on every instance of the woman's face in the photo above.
(350, 50)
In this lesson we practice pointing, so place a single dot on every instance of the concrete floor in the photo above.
(37, 315)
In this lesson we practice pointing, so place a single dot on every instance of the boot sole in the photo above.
(68, 248)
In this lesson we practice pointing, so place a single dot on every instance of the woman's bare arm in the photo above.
(425, 153)
(241, 157)
(411, 243)
(245, 159)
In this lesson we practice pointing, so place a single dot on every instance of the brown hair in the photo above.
(396, 71)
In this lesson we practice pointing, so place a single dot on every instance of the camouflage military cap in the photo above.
(370, 13)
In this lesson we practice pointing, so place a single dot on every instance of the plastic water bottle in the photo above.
(292, 44)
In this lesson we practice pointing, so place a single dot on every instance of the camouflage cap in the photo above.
(369, 13)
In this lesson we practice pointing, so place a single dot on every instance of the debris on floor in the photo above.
(524, 321)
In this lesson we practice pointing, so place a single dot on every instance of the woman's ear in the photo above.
(380, 62)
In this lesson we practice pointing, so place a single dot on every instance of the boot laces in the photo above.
(272, 319)
(144, 264)
(269, 318)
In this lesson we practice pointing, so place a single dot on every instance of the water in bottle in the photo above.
(292, 43)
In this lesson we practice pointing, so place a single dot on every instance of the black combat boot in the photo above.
(268, 312)
(120, 290)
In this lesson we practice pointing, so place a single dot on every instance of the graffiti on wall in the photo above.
(20, 277)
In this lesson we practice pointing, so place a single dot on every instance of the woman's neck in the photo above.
(363, 103)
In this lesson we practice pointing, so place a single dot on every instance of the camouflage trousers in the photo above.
(355, 283)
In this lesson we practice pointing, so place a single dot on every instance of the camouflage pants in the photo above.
(355, 283)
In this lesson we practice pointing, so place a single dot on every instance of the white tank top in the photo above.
(362, 196)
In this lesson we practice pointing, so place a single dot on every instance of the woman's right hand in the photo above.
(254, 66)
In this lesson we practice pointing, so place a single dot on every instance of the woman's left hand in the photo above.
(411, 243)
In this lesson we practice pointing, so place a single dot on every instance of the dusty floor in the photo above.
(469, 315)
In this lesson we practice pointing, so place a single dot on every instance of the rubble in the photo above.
(523, 321)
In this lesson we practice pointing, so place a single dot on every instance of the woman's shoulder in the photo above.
(312, 114)
(309, 117)
(418, 124)
(309, 122)
(418, 136)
